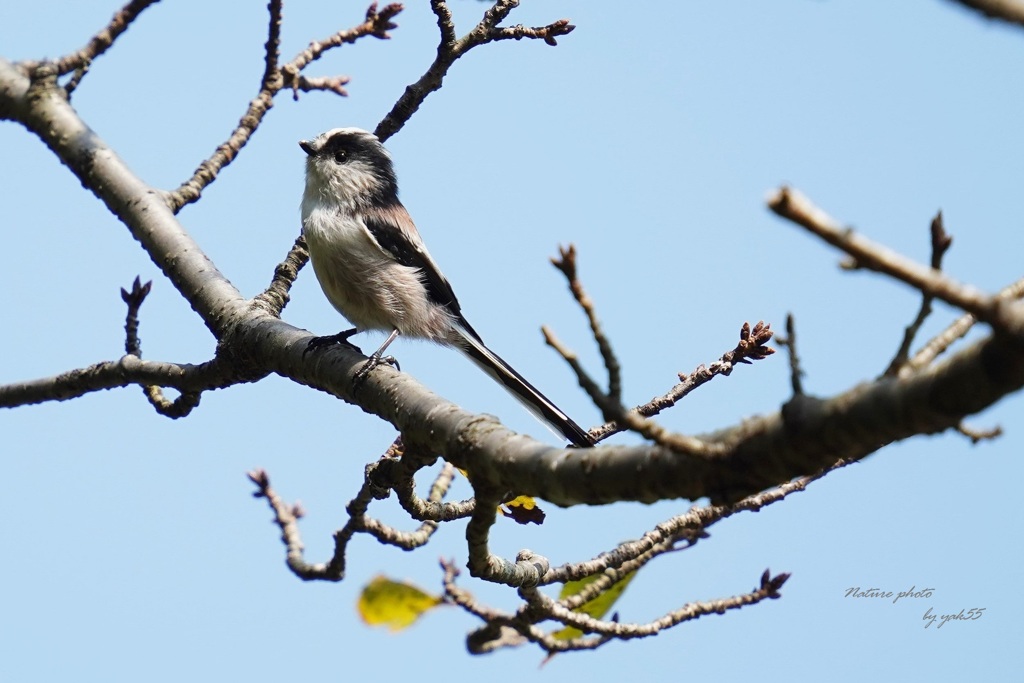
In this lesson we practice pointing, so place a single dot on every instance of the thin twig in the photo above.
(789, 341)
(751, 347)
(131, 369)
(959, 328)
(941, 243)
(978, 435)
(277, 295)
(287, 517)
(273, 81)
(586, 382)
(767, 589)
(449, 49)
(620, 419)
(76, 78)
(102, 41)
(566, 264)
(272, 48)
(432, 509)
(690, 526)
(392, 471)
(505, 630)
(188, 400)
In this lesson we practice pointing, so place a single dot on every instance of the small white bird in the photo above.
(375, 270)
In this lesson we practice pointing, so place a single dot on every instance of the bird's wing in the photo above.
(396, 234)
(393, 229)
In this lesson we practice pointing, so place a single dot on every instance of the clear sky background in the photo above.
(133, 549)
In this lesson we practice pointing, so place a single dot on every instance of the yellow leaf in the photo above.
(395, 604)
(597, 607)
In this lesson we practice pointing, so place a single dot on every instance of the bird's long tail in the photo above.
(538, 404)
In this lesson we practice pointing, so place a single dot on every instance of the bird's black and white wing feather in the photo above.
(395, 232)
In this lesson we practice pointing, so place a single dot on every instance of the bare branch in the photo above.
(978, 435)
(750, 457)
(566, 263)
(751, 347)
(690, 526)
(287, 517)
(134, 299)
(125, 372)
(391, 472)
(492, 636)
(793, 206)
(528, 568)
(941, 243)
(276, 296)
(586, 382)
(273, 81)
(432, 509)
(273, 44)
(789, 341)
(548, 33)
(39, 103)
(768, 589)
(76, 79)
(450, 49)
(511, 630)
(376, 24)
(956, 330)
(334, 84)
(183, 404)
(103, 40)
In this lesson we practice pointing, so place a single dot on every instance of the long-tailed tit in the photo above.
(375, 270)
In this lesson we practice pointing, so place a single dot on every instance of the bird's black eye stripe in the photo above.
(344, 147)
(340, 148)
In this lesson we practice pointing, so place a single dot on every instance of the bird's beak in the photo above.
(307, 147)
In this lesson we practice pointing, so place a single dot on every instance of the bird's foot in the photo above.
(372, 362)
(341, 338)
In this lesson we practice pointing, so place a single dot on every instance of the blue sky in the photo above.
(649, 138)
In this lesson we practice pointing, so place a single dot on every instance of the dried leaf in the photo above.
(523, 509)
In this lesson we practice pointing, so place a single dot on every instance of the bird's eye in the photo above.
(340, 156)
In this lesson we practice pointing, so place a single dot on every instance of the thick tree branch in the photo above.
(806, 436)
(41, 105)
(802, 440)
